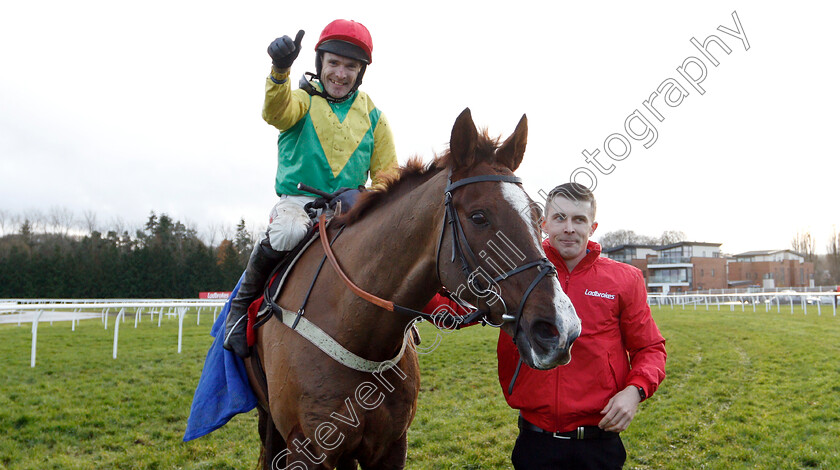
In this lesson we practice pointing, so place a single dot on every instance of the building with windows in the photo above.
(693, 266)
(682, 266)
(636, 255)
(687, 266)
(770, 269)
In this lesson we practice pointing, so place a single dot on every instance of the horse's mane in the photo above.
(413, 170)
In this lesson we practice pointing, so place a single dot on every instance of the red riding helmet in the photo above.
(347, 38)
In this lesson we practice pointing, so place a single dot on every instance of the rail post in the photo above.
(34, 338)
(117, 330)
(181, 312)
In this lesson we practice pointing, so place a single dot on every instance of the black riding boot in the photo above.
(262, 262)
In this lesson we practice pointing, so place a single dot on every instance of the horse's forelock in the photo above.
(484, 152)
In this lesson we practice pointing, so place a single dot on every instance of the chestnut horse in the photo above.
(404, 243)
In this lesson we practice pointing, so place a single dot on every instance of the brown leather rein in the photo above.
(322, 230)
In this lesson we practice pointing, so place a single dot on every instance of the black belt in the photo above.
(583, 432)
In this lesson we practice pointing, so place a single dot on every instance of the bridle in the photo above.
(469, 265)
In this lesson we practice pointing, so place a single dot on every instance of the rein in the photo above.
(379, 302)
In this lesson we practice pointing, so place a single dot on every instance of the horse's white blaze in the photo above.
(520, 202)
(567, 320)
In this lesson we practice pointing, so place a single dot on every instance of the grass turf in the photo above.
(744, 390)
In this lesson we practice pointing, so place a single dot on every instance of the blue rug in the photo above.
(223, 390)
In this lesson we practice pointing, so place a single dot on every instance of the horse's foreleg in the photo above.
(347, 464)
(272, 441)
(300, 454)
(394, 458)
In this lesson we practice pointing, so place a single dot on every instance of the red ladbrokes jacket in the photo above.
(619, 345)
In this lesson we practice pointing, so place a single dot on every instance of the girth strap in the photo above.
(332, 348)
(262, 380)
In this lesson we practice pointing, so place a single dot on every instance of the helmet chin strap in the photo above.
(306, 86)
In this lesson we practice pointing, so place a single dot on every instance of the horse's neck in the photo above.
(398, 241)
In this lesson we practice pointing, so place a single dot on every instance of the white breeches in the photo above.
(288, 222)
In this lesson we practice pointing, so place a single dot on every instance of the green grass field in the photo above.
(744, 390)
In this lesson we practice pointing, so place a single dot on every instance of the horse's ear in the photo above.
(513, 149)
(463, 141)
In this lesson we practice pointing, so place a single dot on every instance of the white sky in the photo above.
(123, 108)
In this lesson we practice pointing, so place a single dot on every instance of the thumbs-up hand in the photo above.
(284, 51)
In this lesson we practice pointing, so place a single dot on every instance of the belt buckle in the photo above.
(557, 436)
(580, 432)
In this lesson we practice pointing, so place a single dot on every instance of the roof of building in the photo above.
(672, 245)
(764, 253)
(628, 245)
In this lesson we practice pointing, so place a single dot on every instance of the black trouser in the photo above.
(542, 451)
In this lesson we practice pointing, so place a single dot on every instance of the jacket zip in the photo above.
(558, 392)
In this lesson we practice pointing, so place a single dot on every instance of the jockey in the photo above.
(331, 136)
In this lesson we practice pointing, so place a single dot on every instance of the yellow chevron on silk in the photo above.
(340, 139)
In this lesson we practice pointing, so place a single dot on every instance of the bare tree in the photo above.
(671, 236)
(90, 221)
(61, 220)
(805, 244)
(191, 229)
(625, 237)
(5, 217)
(833, 254)
(226, 231)
(210, 234)
(118, 224)
(15, 222)
(36, 220)
(258, 231)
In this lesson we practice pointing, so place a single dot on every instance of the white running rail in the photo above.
(39, 310)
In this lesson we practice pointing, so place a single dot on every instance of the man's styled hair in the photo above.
(574, 192)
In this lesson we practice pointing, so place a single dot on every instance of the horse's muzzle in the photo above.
(549, 347)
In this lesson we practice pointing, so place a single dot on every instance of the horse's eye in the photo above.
(478, 218)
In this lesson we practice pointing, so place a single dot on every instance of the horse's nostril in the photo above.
(546, 334)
